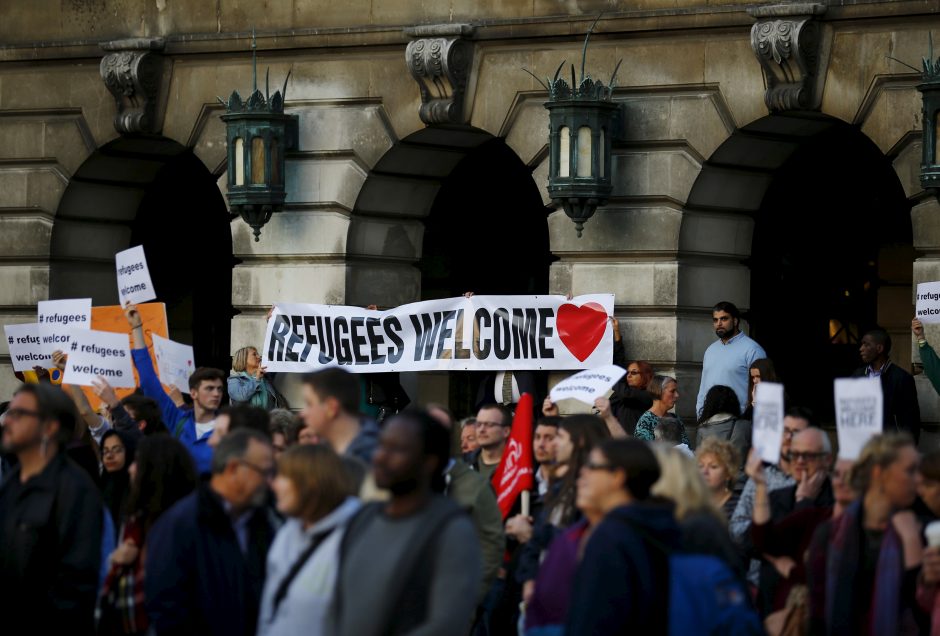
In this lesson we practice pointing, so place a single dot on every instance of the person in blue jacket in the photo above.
(194, 426)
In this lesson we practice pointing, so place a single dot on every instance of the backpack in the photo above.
(706, 597)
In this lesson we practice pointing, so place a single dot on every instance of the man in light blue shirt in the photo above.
(728, 359)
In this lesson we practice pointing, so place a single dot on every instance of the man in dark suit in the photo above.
(901, 410)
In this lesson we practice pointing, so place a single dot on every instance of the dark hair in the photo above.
(728, 307)
(128, 441)
(646, 371)
(234, 446)
(670, 430)
(242, 416)
(929, 466)
(146, 410)
(286, 423)
(586, 431)
(319, 476)
(548, 420)
(768, 373)
(165, 474)
(435, 442)
(720, 399)
(53, 404)
(205, 374)
(338, 384)
(506, 413)
(802, 413)
(881, 337)
(636, 460)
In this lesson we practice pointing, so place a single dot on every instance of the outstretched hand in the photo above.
(549, 408)
(105, 391)
(59, 358)
(918, 328)
(133, 316)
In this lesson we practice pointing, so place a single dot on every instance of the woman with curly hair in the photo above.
(719, 463)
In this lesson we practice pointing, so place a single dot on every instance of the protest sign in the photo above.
(133, 276)
(768, 421)
(928, 302)
(587, 386)
(859, 413)
(25, 349)
(477, 333)
(99, 353)
(58, 318)
(174, 362)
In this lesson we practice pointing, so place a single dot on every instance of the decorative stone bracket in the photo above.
(439, 59)
(793, 50)
(133, 71)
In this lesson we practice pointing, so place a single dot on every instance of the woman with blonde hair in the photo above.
(249, 384)
(702, 524)
(718, 461)
(665, 393)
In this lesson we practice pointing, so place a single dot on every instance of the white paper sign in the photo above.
(99, 353)
(25, 350)
(587, 386)
(133, 277)
(768, 421)
(57, 319)
(174, 362)
(928, 302)
(859, 413)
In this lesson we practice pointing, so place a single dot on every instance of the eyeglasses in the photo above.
(114, 450)
(596, 466)
(15, 414)
(479, 424)
(796, 456)
(267, 473)
(633, 373)
(790, 432)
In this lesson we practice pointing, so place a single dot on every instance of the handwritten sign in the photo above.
(768, 421)
(99, 353)
(859, 414)
(587, 386)
(174, 362)
(25, 349)
(133, 276)
(58, 318)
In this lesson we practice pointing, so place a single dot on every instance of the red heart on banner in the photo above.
(581, 328)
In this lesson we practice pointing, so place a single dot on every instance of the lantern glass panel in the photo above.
(564, 152)
(239, 161)
(584, 152)
(275, 162)
(602, 150)
(257, 160)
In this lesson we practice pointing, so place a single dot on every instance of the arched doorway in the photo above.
(478, 221)
(832, 252)
(154, 192)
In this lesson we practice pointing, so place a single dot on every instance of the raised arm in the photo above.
(149, 382)
(89, 418)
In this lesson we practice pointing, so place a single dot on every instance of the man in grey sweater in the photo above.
(412, 564)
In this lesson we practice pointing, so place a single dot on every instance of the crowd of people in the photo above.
(176, 514)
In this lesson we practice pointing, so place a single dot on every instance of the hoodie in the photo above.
(623, 581)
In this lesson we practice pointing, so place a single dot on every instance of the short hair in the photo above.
(53, 404)
(318, 474)
(880, 450)
(435, 442)
(801, 413)
(505, 412)
(881, 337)
(146, 409)
(728, 307)
(929, 466)
(205, 374)
(468, 421)
(720, 399)
(681, 482)
(636, 460)
(658, 384)
(234, 446)
(724, 452)
(240, 359)
(339, 384)
(826, 442)
(246, 416)
(285, 422)
(549, 420)
(669, 429)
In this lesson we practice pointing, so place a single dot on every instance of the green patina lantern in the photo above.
(259, 135)
(583, 119)
(930, 93)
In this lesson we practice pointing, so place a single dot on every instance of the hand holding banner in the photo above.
(515, 472)
(99, 353)
(133, 276)
(928, 303)
(58, 318)
(859, 403)
(768, 421)
(587, 386)
(174, 362)
(25, 349)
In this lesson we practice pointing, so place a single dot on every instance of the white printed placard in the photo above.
(57, 319)
(174, 362)
(928, 302)
(587, 386)
(768, 421)
(859, 414)
(94, 354)
(25, 349)
(133, 276)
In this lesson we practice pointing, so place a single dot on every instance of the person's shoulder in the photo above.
(182, 512)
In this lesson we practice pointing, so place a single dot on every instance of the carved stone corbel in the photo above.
(439, 59)
(133, 72)
(793, 50)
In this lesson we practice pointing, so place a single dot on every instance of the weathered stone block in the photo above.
(265, 283)
(716, 233)
(618, 229)
(295, 232)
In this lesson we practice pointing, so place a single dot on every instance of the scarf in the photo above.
(258, 398)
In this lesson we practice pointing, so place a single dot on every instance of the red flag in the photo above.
(515, 471)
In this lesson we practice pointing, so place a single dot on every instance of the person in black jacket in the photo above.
(901, 409)
(51, 519)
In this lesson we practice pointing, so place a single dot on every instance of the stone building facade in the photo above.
(765, 149)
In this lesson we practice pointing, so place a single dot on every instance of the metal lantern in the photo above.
(930, 93)
(259, 135)
(582, 121)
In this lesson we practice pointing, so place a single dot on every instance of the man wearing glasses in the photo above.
(493, 424)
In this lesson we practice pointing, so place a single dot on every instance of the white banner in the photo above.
(768, 421)
(587, 386)
(133, 276)
(25, 349)
(928, 302)
(478, 334)
(57, 319)
(859, 413)
(99, 353)
(174, 362)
